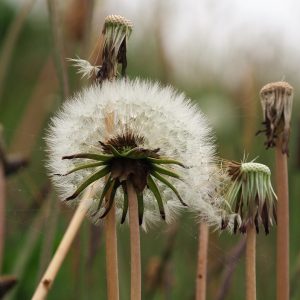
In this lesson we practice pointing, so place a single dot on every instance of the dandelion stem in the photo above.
(111, 242)
(135, 251)
(283, 224)
(250, 263)
(202, 262)
(63, 248)
(111, 247)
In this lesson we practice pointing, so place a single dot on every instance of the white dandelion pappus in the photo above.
(164, 118)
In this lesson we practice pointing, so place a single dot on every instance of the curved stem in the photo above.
(135, 251)
(202, 262)
(250, 263)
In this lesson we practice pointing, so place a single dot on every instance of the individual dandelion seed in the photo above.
(277, 100)
(159, 142)
(250, 195)
(116, 32)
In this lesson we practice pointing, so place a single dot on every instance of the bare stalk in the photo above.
(63, 248)
(111, 243)
(283, 288)
(135, 250)
(111, 246)
(202, 262)
(250, 263)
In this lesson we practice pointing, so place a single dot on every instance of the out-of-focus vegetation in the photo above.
(35, 219)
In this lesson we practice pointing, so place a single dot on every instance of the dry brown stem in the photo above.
(283, 224)
(135, 250)
(202, 262)
(250, 263)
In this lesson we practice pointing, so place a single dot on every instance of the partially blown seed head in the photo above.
(116, 32)
(157, 139)
(277, 100)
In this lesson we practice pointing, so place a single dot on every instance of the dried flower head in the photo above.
(116, 31)
(250, 195)
(276, 100)
(158, 141)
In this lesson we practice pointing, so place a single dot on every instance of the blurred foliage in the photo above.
(83, 274)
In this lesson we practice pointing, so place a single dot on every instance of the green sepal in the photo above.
(103, 194)
(94, 156)
(165, 161)
(85, 166)
(111, 199)
(169, 184)
(90, 180)
(154, 189)
(165, 171)
(114, 151)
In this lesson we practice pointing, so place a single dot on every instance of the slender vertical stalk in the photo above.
(58, 48)
(2, 212)
(63, 248)
(111, 247)
(202, 262)
(135, 250)
(111, 244)
(283, 224)
(250, 263)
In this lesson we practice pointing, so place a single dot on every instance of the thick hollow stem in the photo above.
(202, 262)
(283, 225)
(63, 248)
(111, 247)
(135, 252)
(250, 264)
(2, 212)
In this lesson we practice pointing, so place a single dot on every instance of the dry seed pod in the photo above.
(276, 100)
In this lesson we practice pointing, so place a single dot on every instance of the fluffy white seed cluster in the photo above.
(166, 120)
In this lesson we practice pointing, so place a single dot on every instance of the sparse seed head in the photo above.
(116, 32)
(250, 195)
(277, 100)
(116, 20)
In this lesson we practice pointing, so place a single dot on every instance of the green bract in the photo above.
(121, 160)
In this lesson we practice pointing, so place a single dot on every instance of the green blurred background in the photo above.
(172, 43)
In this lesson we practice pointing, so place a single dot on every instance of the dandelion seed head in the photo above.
(163, 117)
